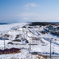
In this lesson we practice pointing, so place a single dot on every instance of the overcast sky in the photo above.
(29, 11)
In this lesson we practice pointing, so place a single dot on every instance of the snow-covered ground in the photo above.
(28, 38)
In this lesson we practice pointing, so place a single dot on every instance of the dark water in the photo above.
(3, 23)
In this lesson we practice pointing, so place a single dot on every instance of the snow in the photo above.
(24, 54)
(9, 26)
(43, 44)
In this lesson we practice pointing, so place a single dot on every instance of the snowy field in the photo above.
(28, 40)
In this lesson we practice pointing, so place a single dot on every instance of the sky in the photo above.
(13, 11)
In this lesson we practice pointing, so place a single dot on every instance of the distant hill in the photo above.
(42, 23)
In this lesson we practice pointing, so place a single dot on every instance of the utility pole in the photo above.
(4, 43)
(29, 47)
(50, 48)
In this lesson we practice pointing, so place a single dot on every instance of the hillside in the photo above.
(33, 40)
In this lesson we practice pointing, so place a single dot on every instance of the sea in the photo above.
(11, 23)
(3, 23)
